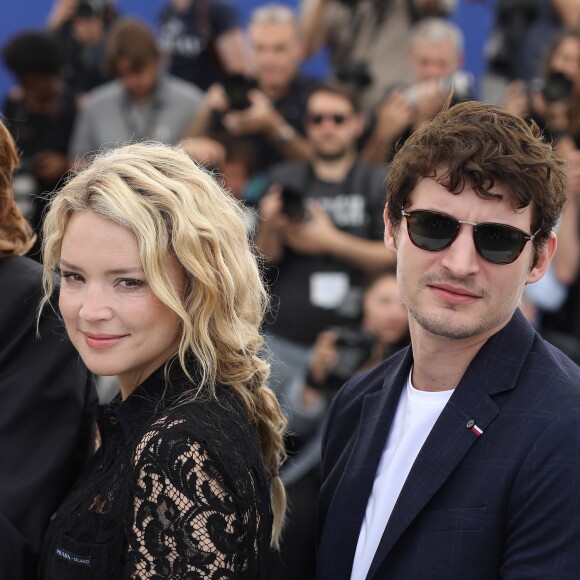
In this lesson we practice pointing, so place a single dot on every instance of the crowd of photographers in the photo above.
(308, 157)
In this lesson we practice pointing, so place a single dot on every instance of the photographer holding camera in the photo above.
(82, 27)
(522, 31)
(367, 40)
(266, 111)
(547, 99)
(435, 57)
(320, 231)
(337, 355)
(551, 101)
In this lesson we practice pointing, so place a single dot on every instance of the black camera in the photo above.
(293, 204)
(237, 87)
(355, 348)
(557, 87)
(356, 74)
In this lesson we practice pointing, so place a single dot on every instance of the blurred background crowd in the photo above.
(304, 144)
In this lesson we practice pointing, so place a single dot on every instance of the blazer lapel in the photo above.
(352, 492)
(470, 411)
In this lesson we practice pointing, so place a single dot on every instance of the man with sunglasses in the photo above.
(321, 228)
(460, 456)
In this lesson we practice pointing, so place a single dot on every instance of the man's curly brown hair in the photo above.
(482, 146)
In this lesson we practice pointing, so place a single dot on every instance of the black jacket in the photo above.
(47, 402)
(176, 490)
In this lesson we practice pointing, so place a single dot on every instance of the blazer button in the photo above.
(53, 516)
(113, 420)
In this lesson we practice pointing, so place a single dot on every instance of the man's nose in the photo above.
(461, 257)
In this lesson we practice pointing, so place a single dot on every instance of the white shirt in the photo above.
(416, 414)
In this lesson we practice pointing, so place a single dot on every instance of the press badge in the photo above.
(328, 289)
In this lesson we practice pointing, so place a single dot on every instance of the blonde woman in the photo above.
(160, 288)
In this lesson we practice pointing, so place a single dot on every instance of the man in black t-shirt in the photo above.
(316, 261)
(266, 112)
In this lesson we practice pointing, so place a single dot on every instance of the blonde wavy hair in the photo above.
(173, 207)
(16, 236)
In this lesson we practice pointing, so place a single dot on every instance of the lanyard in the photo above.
(141, 123)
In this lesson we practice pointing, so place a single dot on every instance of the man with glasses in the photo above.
(435, 56)
(460, 456)
(266, 112)
(320, 230)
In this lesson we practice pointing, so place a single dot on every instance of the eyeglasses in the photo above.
(496, 243)
(318, 118)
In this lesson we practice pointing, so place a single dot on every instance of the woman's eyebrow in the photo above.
(115, 271)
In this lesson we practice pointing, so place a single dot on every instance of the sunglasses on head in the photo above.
(496, 243)
(318, 118)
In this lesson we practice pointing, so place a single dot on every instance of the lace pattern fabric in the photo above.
(182, 495)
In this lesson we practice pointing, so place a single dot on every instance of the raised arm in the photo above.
(314, 34)
(568, 10)
(319, 235)
(233, 52)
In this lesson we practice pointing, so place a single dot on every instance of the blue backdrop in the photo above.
(473, 16)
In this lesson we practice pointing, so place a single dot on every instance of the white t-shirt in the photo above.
(416, 414)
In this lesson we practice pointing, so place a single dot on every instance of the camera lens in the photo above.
(557, 87)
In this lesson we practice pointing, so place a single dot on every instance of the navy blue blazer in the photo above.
(505, 503)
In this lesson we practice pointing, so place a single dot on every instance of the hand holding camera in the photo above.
(313, 236)
(237, 88)
(324, 356)
(427, 98)
(549, 100)
(259, 117)
(516, 99)
(280, 205)
(293, 204)
(429, 92)
(555, 87)
(394, 115)
(216, 99)
(338, 354)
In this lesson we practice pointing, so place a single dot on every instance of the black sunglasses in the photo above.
(496, 243)
(318, 118)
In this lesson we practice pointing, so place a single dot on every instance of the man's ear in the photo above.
(545, 255)
(390, 241)
(360, 124)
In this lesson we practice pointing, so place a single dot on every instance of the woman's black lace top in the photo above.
(174, 492)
